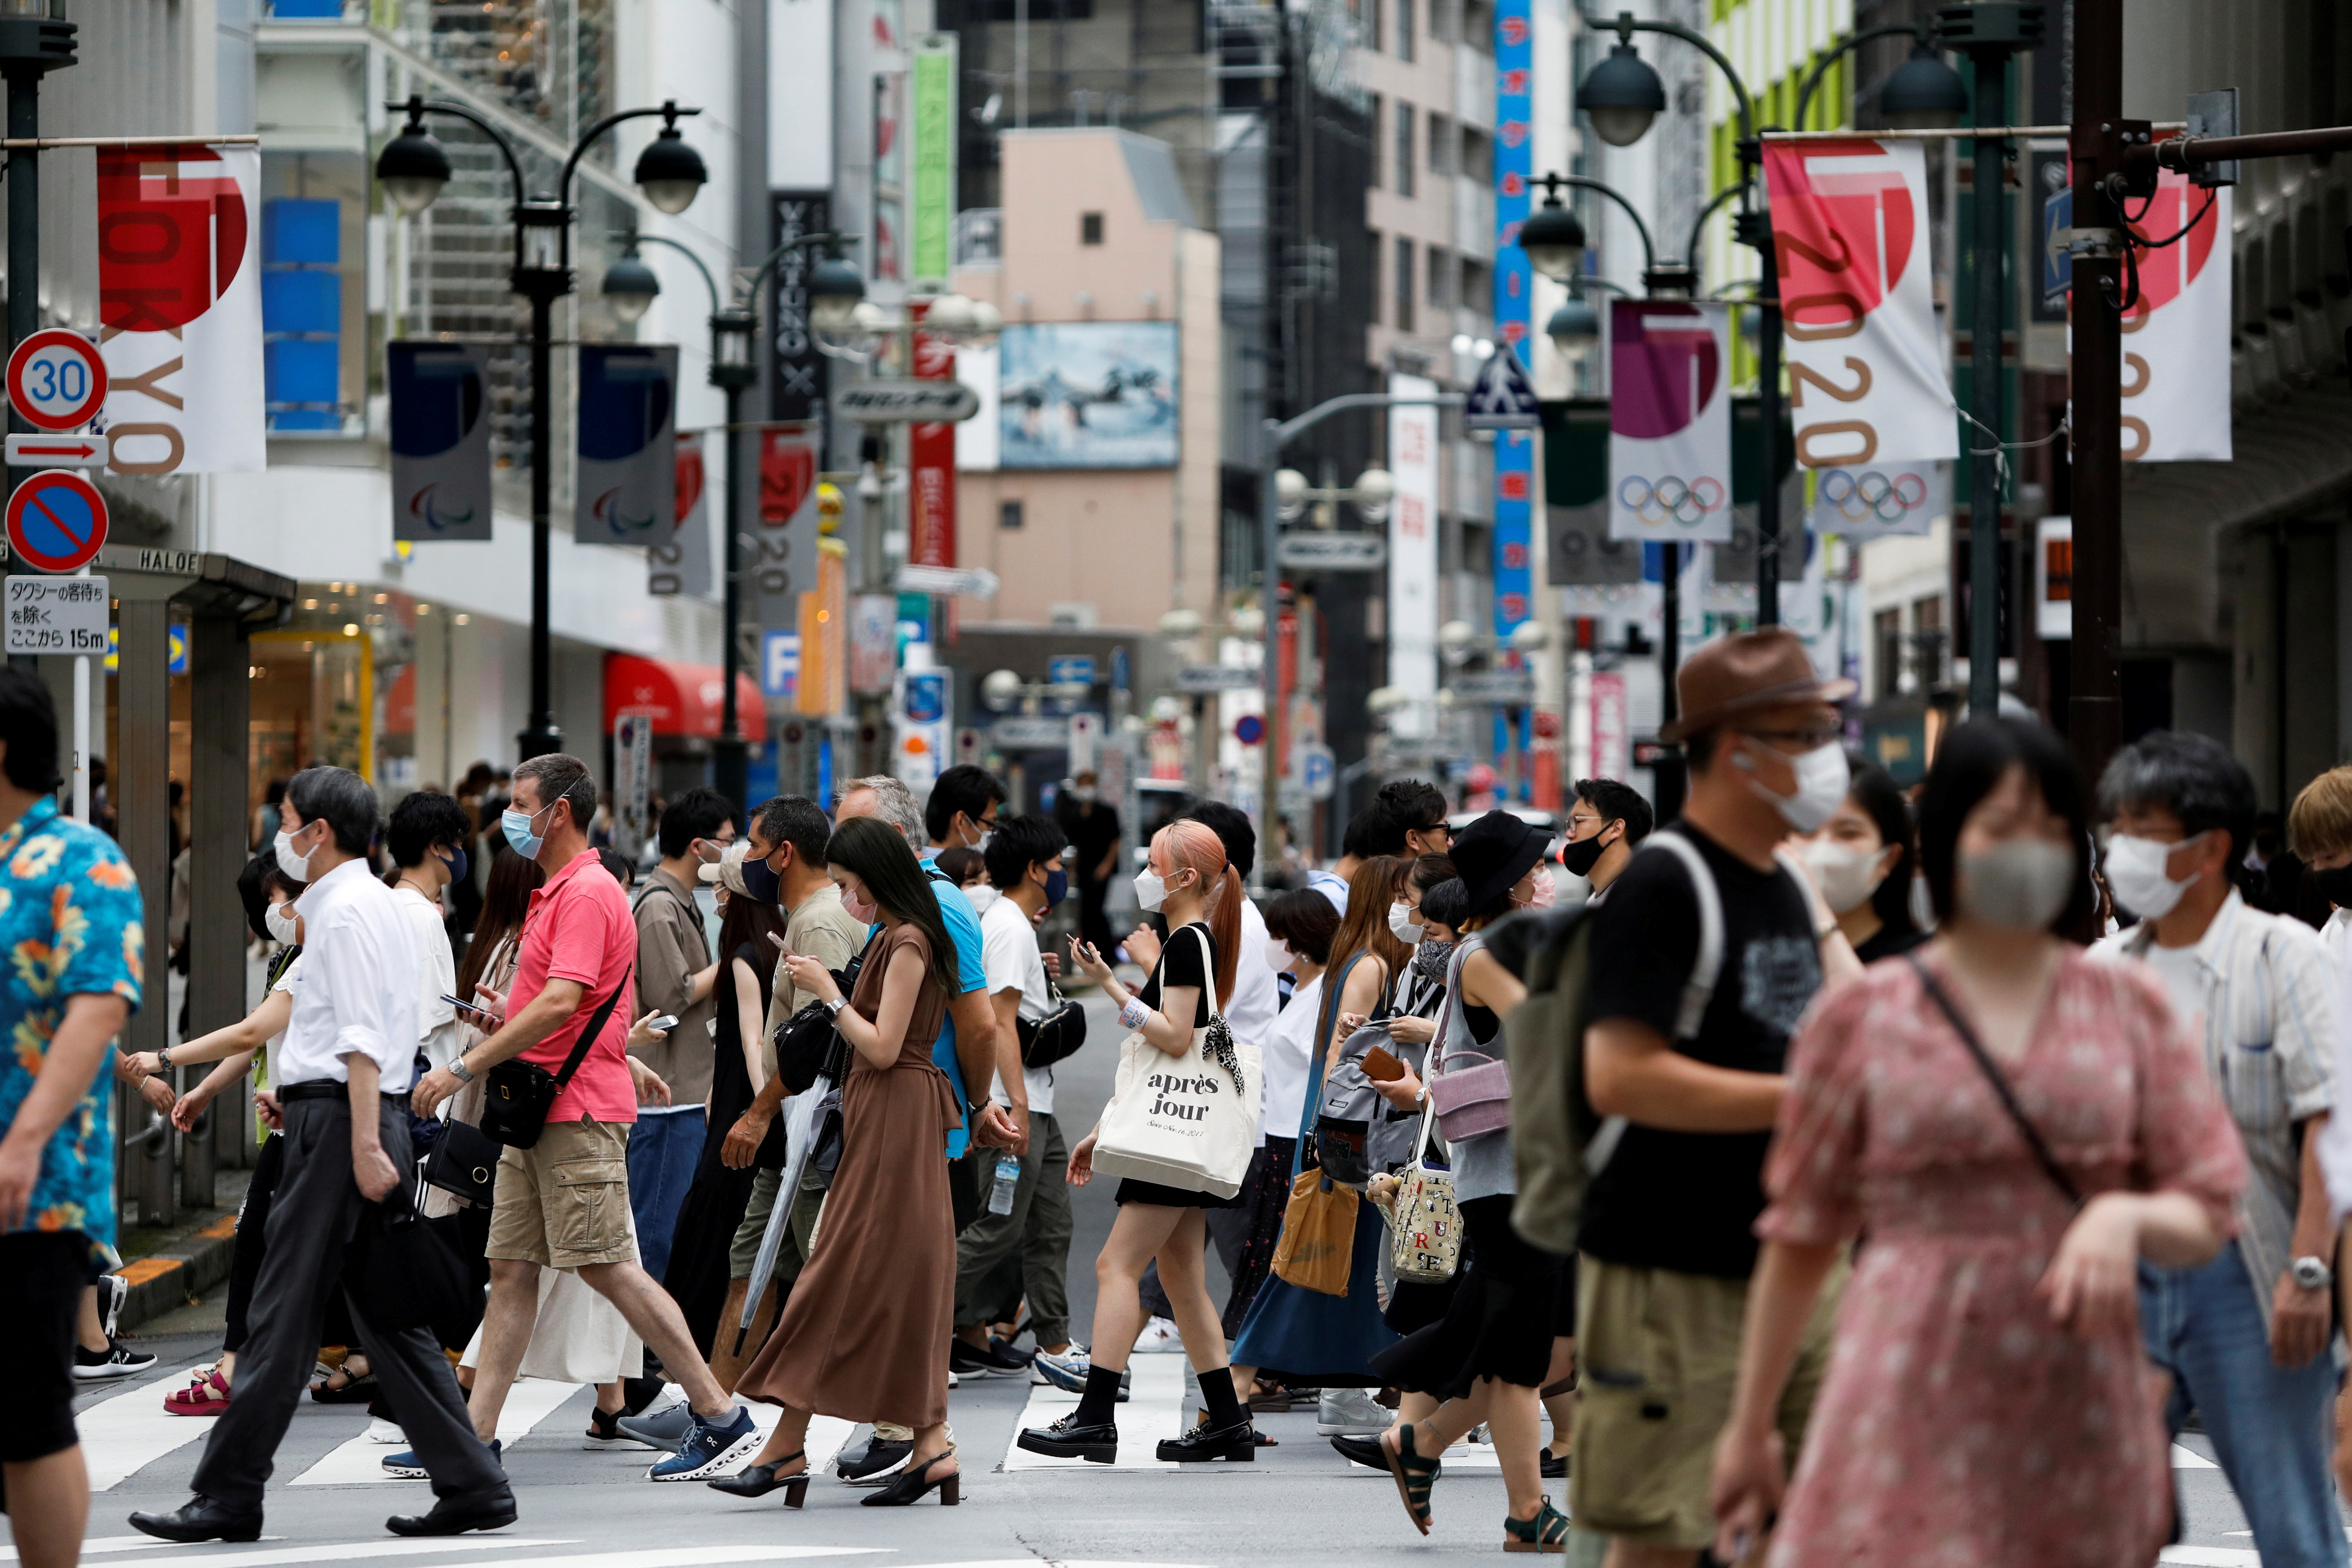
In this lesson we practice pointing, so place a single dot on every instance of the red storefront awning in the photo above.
(684, 698)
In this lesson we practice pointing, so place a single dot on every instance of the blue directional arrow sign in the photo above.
(1502, 398)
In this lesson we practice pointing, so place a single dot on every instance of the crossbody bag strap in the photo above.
(1325, 1013)
(588, 1036)
(2000, 1089)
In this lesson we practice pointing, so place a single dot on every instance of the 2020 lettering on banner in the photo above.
(1867, 377)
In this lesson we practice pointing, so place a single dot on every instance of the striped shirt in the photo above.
(2269, 1028)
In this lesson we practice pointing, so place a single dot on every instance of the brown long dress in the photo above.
(865, 1333)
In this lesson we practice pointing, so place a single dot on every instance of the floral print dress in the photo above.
(1958, 1425)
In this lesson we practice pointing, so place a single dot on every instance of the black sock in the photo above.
(1217, 1393)
(1099, 1404)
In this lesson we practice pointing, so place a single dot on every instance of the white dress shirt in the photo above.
(438, 1031)
(1250, 1010)
(361, 975)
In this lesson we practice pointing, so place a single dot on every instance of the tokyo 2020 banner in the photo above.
(440, 402)
(2176, 392)
(1867, 377)
(1669, 420)
(625, 489)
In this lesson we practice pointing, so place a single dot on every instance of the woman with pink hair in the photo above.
(1192, 885)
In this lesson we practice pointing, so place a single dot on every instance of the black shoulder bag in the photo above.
(1056, 1036)
(2006, 1096)
(518, 1095)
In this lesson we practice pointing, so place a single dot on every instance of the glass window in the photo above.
(314, 292)
(1404, 30)
(1404, 281)
(1407, 152)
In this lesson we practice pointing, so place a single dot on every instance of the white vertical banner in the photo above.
(1413, 554)
(1866, 372)
(1613, 752)
(2176, 392)
(1669, 420)
(799, 98)
(179, 280)
(633, 775)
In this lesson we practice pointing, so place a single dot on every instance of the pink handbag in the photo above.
(1471, 1101)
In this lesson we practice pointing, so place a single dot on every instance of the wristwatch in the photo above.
(2312, 1273)
(832, 1008)
(459, 1070)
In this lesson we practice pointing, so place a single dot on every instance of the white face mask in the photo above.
(2135, 870)
(1822, 782)
(1278, 956)
(2021, 885)
(1083, 794)
(1846, 875)
(294, 864)
(1403, 925)
(282, 924)
(1150, 890)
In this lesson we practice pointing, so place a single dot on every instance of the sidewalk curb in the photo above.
(174, 1277)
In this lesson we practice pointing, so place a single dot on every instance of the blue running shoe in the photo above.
(711, 1447)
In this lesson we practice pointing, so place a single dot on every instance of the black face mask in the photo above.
(1580, 857)
(2333, 885)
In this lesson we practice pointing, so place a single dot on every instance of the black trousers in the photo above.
(1093, 923)
(314, 1210)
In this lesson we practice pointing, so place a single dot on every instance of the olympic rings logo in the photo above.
(1859, 497)
(1670, 499)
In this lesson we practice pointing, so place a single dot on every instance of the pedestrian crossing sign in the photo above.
(1502, 398)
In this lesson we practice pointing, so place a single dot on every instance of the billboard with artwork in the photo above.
(1087, 395)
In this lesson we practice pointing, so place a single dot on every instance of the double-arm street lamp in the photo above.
(834, 291)
(414, 167)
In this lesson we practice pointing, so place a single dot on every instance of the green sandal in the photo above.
(1547, 1531)
(1414, 1474)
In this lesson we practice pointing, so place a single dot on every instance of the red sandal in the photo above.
(206, 1394)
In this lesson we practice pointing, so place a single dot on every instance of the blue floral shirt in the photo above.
(70, 923)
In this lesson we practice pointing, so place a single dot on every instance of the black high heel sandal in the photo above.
(759, 1480)
(914, 1481)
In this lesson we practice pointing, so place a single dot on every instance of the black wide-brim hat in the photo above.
(1493, 853)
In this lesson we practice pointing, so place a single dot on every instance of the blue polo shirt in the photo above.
(963, 930)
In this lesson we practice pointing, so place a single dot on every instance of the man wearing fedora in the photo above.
(1667, 1243)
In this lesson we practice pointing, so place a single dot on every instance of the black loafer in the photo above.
(1065, 1440)
(1236, 1443)
(455, 1516)
(200, 1518)
(1554, 1467)
(1365, 1451)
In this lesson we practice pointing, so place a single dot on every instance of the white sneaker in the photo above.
(381, 1431)
(1159, 1337)
(1348, 1413)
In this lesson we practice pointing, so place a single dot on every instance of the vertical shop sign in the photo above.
(440, 440)
(1849, 240)
(623, 490)
(931, 173)
(823, 626)
(179, 286)
(931, 467)
(1612, 757)
(797, 369)
(1412, 553)
(799, 119)
(1515, 450)
(633, 771)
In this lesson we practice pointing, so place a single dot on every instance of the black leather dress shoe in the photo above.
(1236, 1443)
(1365, 1451)
(200, 1518)
(1065, 1440)
(455, 1516)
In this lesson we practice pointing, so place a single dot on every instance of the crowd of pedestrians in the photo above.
(1835, 1174)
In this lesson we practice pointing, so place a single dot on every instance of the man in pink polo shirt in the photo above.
(564, 1202)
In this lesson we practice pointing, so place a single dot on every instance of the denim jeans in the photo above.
(665, 1146)
(2272, 1427)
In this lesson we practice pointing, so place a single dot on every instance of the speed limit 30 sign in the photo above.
(56, 379)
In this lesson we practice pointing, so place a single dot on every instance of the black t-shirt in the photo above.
(1688, 1201)
(1889, 943)
(1188, 957)
(1092, 831)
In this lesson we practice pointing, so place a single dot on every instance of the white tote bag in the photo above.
(1188, 1122)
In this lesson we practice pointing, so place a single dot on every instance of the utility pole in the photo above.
(30, 47)
(2094, 705)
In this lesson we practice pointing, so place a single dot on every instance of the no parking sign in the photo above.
(56, 521)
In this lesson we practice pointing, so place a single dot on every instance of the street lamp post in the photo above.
(833, 290)
(414, 168)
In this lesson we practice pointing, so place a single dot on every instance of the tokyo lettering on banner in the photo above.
(1881, 499)
(1669, 420)
(439, 395)
(1867, 376)
(625, 490)
(179, 281)
(783, 550)
(682, 564)
(2177, 340)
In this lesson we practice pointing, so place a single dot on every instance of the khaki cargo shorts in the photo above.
(564, 1202)
(1657, 1356)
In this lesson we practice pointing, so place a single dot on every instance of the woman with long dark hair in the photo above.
(865, 1334)
(1863, 859)
(1189, 881)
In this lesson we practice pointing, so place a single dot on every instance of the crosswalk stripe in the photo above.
(687, 1556)
(122, 1435)
(103, 1544)
(2210, 1557)
(2185, 1459)
(353, 1551)
(360, 1461)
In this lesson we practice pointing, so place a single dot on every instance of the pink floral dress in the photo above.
(1958, 1424)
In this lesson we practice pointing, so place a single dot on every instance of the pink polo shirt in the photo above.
(578, 927)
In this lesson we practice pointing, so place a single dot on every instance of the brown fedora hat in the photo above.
(1743, 673)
